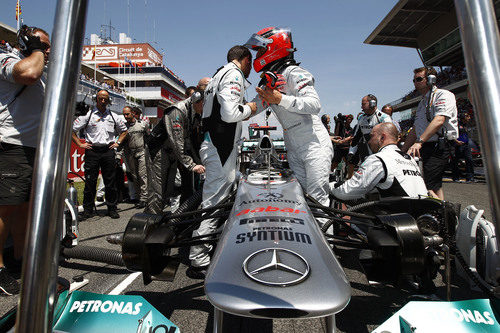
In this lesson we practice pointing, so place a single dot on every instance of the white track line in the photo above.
(124, 284)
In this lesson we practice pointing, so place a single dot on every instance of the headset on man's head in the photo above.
(431, 78)
(372, 101)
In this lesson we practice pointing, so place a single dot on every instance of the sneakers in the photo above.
(113, 214)
(8, 284)
(197, 273)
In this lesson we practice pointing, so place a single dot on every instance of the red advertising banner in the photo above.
(76, 161)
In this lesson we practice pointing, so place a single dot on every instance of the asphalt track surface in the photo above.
(184, 303)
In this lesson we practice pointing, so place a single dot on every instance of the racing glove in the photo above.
(271, 80)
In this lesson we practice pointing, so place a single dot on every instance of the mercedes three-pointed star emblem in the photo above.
(276, 267)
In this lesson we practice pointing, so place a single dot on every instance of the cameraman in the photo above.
(342, 138)
(22, 90)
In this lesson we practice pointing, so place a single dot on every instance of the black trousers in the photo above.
(104, 159)
(187, 183)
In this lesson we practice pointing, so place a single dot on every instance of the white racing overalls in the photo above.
(389, 171)
(223, 111)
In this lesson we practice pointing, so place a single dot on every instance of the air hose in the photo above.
(96, 254)
(362, 205)
(190, 204)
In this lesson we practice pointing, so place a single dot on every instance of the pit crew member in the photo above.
(436, 124)
(223, 111)
(22, 90)
(389, 171)
(370, 117)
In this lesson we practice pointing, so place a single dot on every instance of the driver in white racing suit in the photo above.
(389, 171)
(296, 104)
(223, 110)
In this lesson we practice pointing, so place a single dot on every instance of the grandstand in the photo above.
(430, 27)
(133, 74)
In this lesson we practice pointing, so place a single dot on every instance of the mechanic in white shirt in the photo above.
(99, 129)
(436, 124)
(389, 171)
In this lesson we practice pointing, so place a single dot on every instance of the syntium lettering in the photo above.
(273, 235)
(270, 209)
(272, 220)
(411, 173)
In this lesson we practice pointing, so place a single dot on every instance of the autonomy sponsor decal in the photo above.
(477, 315)
(89, 312)
(270, 209)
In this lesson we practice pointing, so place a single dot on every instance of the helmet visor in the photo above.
(257, 41)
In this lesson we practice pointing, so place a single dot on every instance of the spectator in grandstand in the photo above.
(22, 91)
(463, 150)
(387, 109)
(389, 171)
(435, 126)
(359, 145)
(100, 129)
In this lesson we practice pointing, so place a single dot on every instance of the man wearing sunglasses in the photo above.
(435, 125)
(22, 90)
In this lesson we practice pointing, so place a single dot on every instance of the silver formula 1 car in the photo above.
(272, 258)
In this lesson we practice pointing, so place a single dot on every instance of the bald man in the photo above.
(202, 84)
(389, 171)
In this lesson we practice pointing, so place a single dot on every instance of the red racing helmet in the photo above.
(276, 43)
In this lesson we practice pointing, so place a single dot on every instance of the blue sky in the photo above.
(195, 36)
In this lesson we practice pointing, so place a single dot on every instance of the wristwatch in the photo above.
(420, 140)
(118, 142)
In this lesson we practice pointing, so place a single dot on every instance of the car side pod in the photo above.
(272, 261)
